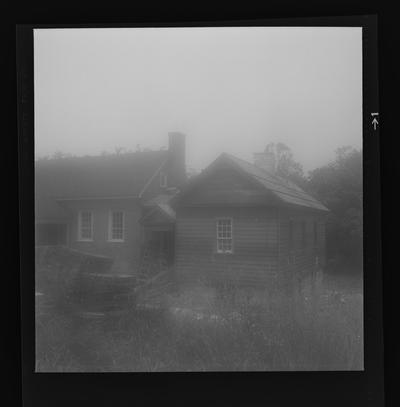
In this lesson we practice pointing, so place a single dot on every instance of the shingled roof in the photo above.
(108, 176)
(285, 190)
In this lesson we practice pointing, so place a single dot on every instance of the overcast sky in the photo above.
(228, 89)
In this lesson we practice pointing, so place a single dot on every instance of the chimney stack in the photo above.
(265, 161)
(176, 166)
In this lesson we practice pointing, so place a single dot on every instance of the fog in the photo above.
(228, 89)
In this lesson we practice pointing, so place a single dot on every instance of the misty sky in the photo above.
(228, 89)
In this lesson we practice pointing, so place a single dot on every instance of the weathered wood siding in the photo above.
(262, 252)
(255, 246)
(300, 254)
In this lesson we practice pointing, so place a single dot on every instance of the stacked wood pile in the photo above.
(82, 283)
(94, 292)
(73, 281)
(57, 265)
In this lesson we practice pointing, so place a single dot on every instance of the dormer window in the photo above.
(163, 180)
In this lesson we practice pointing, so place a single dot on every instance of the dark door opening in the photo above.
(161, 243)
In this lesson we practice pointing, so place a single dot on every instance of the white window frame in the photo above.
(110, 226)
(80, 238)
(163, 180)
(219, 251)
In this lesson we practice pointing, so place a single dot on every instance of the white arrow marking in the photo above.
(374, 122)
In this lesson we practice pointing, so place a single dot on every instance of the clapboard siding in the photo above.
(263, 253)
(255, 244)
(301, 256)
(262, 248)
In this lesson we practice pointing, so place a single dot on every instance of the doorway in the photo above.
(161, 245)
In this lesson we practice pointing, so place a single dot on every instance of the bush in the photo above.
(200, 331)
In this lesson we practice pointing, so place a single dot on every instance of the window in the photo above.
(224, 236)
(163, 180)
(116, 226)
(85, 225)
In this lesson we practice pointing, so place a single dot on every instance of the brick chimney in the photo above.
(176, 166)
(265, 161)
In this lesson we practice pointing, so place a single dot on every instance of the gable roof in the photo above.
(283, 189)
(160, 205)
(109, 176)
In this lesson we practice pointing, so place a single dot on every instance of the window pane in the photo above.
(117, 225)
(86, 225)
(224, 235)
(224, 228)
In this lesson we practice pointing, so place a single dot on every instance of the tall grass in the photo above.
(201, 330)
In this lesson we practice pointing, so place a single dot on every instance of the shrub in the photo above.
(203, 331)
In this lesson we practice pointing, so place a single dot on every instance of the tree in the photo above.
(120, 150)
(57, 155)
(286, 166)
(338, 185)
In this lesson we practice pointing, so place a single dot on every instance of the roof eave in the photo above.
(83, 198)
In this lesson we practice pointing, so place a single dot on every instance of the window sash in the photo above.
(116, 226)
(85, 225)
(225, 235)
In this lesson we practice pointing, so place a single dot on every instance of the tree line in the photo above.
(338, 185)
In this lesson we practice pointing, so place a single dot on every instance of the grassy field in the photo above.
(199, 331)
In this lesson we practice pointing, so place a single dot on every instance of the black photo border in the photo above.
(364, 388)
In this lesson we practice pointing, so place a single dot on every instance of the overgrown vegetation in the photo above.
(338, 185)
(199, 331)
